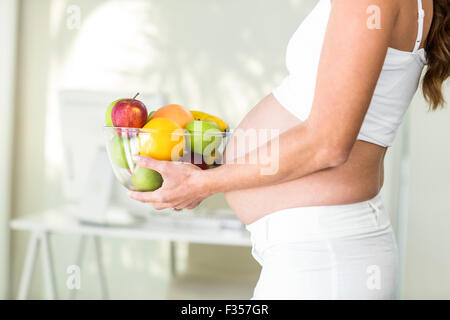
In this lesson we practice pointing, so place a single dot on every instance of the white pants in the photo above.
(326, 252)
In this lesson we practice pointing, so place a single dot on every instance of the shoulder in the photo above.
(391, 7)
(366, 15)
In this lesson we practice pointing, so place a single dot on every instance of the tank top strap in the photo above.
(421, 15)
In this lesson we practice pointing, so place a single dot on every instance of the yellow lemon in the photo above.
(162, 139)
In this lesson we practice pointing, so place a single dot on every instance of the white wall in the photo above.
(8, 33)
(29, 125)
(427, 265)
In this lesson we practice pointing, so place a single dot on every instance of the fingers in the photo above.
(188, 204)
(157, 196)
(194, 204)
(156, 201)
(151, 163)
(160, 206)
(152, 196)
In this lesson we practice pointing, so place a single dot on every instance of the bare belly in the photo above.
(359, 179)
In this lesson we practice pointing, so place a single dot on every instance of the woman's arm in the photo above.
(351, 60)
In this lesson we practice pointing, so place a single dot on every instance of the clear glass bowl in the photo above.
(203, 149)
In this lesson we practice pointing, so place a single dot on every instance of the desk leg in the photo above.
(173, 258)
(30, 262)
(47, 264)
(78, 260)
(100, 269)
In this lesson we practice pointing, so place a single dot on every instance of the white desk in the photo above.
(154, 228)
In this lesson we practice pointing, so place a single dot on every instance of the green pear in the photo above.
(108, 120)
(205, 136)
(118, 152)
(146, 179)
(150, 115)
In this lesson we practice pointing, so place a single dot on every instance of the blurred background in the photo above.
(62, 63)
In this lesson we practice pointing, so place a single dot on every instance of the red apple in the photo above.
(129, 113)
(196, 159)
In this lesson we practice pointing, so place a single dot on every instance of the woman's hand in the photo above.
(183, 186)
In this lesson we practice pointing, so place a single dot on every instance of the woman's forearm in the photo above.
(301, 151)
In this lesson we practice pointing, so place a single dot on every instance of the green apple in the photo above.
(118, 152)
(205, 136)
(146, 179)
(108, 120)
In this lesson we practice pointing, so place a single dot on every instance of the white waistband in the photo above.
(318, 222)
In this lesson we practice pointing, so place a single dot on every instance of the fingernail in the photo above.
(136, 158)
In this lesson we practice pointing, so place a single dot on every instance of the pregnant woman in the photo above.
(318, 226)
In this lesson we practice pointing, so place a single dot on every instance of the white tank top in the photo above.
(396, 86)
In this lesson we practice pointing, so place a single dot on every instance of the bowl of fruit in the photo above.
(170, 133)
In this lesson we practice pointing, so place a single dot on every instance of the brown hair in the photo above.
(437, 46)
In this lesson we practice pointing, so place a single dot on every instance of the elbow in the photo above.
(333, 156)
(332, 147)
(339, 157)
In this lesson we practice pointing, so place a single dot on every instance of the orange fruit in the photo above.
(162, 139)
(174, 112)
